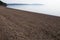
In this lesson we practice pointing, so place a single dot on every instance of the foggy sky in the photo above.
(23, 1)
(49, 2)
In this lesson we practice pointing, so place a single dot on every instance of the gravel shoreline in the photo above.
(22, 25)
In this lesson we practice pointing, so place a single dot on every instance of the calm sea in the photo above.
(45, 9)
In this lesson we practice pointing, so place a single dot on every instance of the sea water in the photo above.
(44, 9)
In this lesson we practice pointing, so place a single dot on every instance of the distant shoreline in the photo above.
(25, 4)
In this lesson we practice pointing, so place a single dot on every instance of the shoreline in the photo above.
(36, 12)
(33, 12)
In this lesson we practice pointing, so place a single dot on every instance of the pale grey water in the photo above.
(45, 9)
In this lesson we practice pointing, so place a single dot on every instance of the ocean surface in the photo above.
(44, 9)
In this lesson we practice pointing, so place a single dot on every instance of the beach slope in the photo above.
(23, 25)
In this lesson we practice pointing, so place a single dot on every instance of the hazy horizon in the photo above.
(24, 1)
(46, 2)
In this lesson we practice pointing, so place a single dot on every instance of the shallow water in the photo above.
(45, 9)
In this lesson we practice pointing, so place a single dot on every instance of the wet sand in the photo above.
(23, 25)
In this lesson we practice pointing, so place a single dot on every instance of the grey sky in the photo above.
(49, 2)
(24, 1)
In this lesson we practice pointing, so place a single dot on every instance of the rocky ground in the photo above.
(22, 25)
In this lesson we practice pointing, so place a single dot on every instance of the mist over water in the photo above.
(45, 9)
